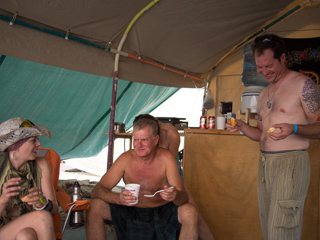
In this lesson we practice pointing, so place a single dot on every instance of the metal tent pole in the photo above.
(112, 118)
(115, 82)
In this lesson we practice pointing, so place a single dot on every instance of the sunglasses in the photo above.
(268, 38)
(27, 124)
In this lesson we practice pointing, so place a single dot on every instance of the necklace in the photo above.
(269, 103)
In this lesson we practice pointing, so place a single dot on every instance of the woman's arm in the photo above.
(46, 184)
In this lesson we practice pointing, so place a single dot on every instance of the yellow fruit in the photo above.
(25, 199)
(271, 130)
(232, 120)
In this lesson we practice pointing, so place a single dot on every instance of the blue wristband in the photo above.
(48, 206)
(295, 129)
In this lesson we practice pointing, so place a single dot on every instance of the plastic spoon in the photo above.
(157, 192)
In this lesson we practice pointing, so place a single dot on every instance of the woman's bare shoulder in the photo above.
(42, 161)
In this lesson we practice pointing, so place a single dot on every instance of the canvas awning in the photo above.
(190, 36)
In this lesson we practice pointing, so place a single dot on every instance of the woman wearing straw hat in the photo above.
(27, 200)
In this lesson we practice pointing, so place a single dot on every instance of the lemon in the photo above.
(233, 122)
(271, 130)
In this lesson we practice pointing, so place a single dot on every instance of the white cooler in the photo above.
(250, 97)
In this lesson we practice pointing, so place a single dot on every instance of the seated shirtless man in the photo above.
(164, 215)
(170, 139)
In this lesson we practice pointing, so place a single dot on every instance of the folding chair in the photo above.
(63, 198)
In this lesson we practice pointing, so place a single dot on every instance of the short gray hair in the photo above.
(145, 120)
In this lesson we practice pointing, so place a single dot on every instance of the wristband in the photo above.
(49, 206)
(295, 129)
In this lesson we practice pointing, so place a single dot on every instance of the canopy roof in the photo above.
(66, 84)
(190, 36)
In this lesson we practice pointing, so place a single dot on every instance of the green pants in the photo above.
(283, 181)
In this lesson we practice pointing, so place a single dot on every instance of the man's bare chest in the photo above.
(285, 103)
(150, 178)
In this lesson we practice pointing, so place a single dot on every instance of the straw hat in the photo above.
(16, 129)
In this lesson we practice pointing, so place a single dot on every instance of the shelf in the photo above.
(121, 135)
(209, 131)
(129, 135)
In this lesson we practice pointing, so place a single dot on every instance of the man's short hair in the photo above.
(269, 41)
(145, 120)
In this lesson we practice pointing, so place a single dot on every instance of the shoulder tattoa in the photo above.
(259, 118)
(311, 96)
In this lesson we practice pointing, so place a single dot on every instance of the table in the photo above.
(221, 169)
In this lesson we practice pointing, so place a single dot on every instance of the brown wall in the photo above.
(220, 170)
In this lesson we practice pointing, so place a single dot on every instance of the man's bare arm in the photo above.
(179, 195)
(105, 194)
(254, 133)
(103, 189)
(310, 98)
(308, 131)
(174, 142)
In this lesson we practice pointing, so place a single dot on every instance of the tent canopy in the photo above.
(66, 84)
(190, 36)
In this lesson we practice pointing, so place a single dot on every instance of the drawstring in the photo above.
(263, 164)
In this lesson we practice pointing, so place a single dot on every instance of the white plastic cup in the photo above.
(134, 189)
(221, 123)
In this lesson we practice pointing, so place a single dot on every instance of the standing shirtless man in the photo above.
(153, 168)
(291, 106)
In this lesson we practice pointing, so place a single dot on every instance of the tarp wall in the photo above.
(74, 106)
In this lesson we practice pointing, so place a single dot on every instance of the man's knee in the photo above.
(98, 208)
(187, 213)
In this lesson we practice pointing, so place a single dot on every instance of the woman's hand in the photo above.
(35, 197)
(10, 189)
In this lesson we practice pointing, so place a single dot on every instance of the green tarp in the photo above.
(74, 106)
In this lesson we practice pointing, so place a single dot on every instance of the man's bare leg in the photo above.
(188, 217)
(95, 216)
(204, 231)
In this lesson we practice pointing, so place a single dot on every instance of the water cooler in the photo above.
(251, 79)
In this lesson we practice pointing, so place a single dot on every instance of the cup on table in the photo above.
(221, 123)
(134, 189)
